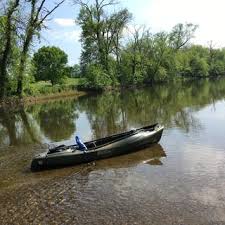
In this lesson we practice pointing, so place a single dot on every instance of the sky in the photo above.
(158, 15)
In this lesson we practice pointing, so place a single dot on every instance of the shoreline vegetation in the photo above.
(114, 53)
(77, 91)
(15, 101)
(31, 100)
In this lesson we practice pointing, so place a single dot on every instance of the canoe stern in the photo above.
(39, 162)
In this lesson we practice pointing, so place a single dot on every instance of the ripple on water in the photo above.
(180, 182)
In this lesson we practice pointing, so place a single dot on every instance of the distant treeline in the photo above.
(114, 53)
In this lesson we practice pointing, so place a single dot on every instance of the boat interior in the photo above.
(101, 142)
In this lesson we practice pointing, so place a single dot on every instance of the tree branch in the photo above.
(39, 10)
(51, 11)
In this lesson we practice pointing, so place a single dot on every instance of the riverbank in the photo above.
(15, 101)
(45, 92)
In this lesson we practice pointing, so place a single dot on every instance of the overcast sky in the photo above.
(159, 15)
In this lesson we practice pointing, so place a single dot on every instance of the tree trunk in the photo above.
(23, 59)
(7, 50)
(3, 66)
(20, 74)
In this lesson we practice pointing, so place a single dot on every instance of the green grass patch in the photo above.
(45, 87)
(71, 81)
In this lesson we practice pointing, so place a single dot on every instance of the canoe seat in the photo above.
(92, 145)
(57, 149)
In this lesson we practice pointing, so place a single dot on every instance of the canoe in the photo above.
(110, 146)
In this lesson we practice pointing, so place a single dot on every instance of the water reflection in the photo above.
(150, 154)
(139, 188)
(171, 105)
(57, 120)
(8, 124)
(17, 128)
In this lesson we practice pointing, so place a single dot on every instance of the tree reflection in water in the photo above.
(57, 120)
(53, 120)
(170, 105)
(111, 112)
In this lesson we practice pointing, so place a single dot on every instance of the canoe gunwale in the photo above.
(122, 143)
(132, 133)
(120, 136)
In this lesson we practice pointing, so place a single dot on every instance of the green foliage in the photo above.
(161, 73)
(2, 31)
(192, 62)
(106, 60)
(216, 62)
(199, 67)
(75, 71)
(146, 57)
(56, 120)
(101, 33)
(50, 64)
(96, 77)
(131, 72)
(45, 87)
(217, 68)
(181, 35)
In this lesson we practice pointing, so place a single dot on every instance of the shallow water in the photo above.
(181, 180)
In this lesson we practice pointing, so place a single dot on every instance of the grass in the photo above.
(72, 81)
(45, 87)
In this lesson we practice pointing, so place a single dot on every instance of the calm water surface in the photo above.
(179, 181)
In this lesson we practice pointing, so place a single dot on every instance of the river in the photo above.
(181, 180)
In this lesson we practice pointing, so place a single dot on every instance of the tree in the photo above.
(50, 64)
(96, 77)
(76, 71)
(134, 56)
(21, 21)
(32, 26)
(7, 23)
(101, 32)
(216, 61)
(181, 34)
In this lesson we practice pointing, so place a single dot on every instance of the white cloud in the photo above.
(65, 36)
(72, 35)
(65, 22)
(163, 15)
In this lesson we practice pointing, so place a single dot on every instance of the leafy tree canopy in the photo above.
(50, 64)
